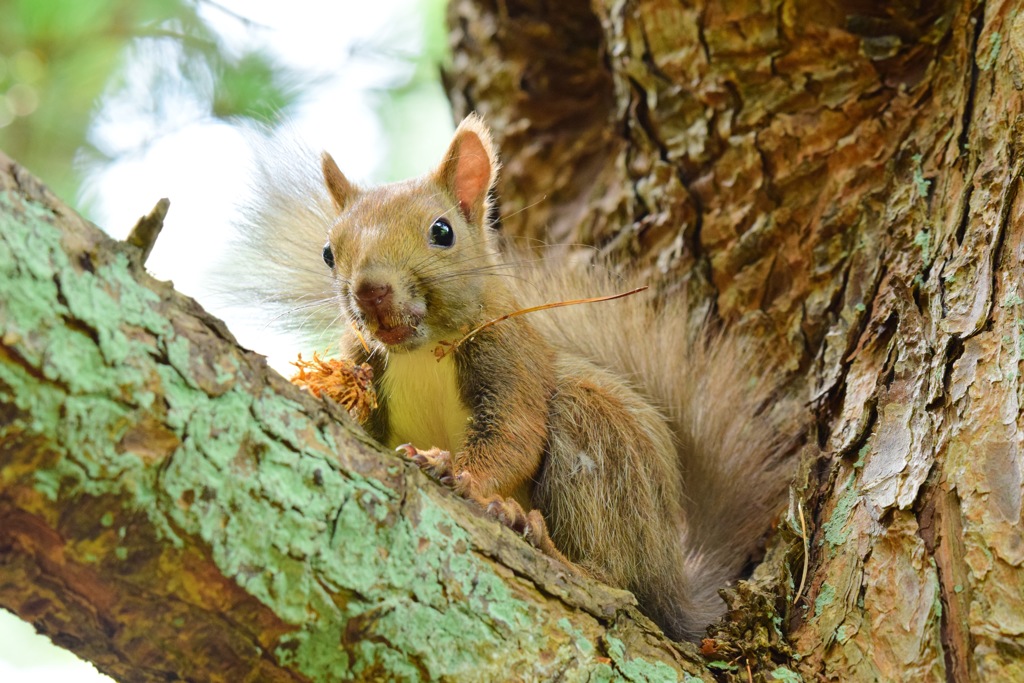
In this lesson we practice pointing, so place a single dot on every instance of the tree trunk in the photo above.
(843, 177)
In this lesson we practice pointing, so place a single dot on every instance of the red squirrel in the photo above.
(611, 437)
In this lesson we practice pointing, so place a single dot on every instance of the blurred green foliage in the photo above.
(416, 97)
(59, 57)
(64, 63)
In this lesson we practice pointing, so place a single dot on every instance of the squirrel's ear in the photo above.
(338, 185)
(469, 168)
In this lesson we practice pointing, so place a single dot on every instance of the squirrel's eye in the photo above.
(328, 255)
(442, 234)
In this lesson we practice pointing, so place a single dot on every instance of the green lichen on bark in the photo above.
(836, 530)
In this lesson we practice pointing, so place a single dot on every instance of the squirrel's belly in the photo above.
(424, 404)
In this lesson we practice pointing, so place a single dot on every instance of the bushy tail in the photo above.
(713, 388)
(276, 265)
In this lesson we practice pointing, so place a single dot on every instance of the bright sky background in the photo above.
(201, 168)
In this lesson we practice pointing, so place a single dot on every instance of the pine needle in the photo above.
(803, 537)
(359, 336)
(446, 347)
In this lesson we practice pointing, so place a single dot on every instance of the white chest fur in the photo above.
(424, 405)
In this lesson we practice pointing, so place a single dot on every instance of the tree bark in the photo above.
(844, 179)
(172, 509)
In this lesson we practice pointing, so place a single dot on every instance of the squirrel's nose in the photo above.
(372, 295)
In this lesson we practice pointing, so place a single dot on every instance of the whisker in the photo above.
(314, 305)
(310, 315)
(294, 267)
(528, 206)
(445, 266)
(537, 242)
(426, 268)
(480, 273)
(307, 299)
(331, 325)
(480, 270)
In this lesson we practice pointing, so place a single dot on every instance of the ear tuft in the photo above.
(469, 168)
(338, 186)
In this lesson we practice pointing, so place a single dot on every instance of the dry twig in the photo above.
(446, 347)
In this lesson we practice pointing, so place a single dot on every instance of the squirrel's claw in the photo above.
(530, 525)
(435, 462)
(466, 486)
(510, 513)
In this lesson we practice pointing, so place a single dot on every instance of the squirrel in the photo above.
(632, 449)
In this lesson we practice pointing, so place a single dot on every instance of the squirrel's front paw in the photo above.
(438, 464)
(434, 461)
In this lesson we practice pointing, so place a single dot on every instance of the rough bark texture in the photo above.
(843, 176)
(171, 509)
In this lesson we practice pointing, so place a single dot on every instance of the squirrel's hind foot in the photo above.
(530, 525)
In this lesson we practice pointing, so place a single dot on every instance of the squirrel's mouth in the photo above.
(394, 336)
(393, 323)
(393, 327)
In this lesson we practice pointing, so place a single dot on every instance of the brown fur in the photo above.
(726, 457)
(639, 445)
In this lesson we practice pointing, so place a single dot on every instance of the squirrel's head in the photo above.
(412, 259)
